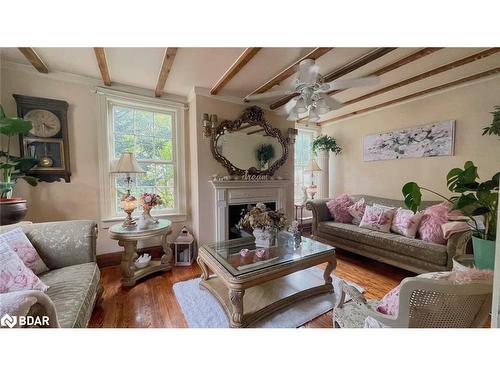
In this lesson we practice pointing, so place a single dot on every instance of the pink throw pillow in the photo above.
(389, 305)
(377, 218)
(357, 211)
(14, 275)
(405, 222)
(338, 208)
(433, 217)
(17, 241)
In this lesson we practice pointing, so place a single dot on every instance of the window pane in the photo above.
(167, 195)
(163, 125)
(144, 148)
(123, 120)
(148, 178)
(144, 123)
(165, 175)
(163, 149)
(124, 143)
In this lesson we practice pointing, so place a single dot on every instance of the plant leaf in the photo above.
(413, 196)
(14, 125)
(29, 179)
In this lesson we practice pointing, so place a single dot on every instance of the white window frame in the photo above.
(315, 132)
(106, 100)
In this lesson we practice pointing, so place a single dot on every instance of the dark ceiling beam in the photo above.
(166, 66)
(417, 94)
(100, 55)
(240, 62)
(343, 70)
(34, 59)
(290, 70)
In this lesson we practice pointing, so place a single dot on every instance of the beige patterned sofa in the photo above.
(411, 254)
(68, 248)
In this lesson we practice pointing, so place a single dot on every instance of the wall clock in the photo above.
(47, 142)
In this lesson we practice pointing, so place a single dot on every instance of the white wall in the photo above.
(80, 198)
(469, 105)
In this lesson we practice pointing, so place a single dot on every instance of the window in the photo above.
(153, 131)
(303, 155)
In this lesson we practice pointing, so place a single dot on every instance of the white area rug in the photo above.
(202, 310)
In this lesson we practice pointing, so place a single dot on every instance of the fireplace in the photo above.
(232, 196)
(234, 214)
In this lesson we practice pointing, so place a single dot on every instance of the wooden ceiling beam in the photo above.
(240, 62)
(429, 73)
(34, 59)
(290, 70)
(100, 55)
(166, 66)
(417, 94)
(343, 70)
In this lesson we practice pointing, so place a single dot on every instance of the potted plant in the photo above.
(474, 199)
(326, 143)
(13, 168)
(494, 128)
(264, 222)
(264, 154)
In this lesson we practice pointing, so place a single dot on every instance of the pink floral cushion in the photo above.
(14, 275)
(377, 218)
(357, 211)
(406, 222)
(338, 208)
(17, 241)
(389, 305)
(433, 217)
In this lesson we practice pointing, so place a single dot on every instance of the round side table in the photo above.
(128, 237)
(463, 262)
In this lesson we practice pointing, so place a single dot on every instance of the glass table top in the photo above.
(228, 253)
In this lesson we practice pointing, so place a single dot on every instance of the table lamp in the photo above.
(312, 167)
(128, 165)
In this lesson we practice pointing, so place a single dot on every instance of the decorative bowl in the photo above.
(143, 261)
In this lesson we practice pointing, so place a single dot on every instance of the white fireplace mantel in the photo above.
(235, 192)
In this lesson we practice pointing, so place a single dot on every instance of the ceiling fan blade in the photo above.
(287, 108)
(269, 94)
(308, 71)
(331, 102)
(354, 82)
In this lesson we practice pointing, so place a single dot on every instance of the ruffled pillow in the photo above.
(357, 211)
(338, 208)
(17, 241)
(389, 305)
(14, 275)
(433, 217)
(377, 218)
(406, 222)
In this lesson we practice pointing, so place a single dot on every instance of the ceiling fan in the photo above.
(312, 92)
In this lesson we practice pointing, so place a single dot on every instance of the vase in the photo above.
(484, 253)
(146, 216)
(12, 210)
(264, 237)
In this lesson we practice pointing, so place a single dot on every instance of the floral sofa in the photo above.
(411, 254)
(68, 248)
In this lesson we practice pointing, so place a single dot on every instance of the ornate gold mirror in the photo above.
(249, 144)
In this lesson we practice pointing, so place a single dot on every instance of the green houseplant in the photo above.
(265, 153)
(326, 143)
(13, 168)
(494, 128)
(474, 198)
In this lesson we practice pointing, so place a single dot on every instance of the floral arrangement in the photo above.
(260, 217)
(150, 200)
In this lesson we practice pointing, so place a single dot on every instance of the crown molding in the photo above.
(475, 82)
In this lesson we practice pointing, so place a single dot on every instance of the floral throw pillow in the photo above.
(433, 217)
(377, 218)
(14, 275)
(17, 241)
(357, 211)
(406, 222)
(338, 208)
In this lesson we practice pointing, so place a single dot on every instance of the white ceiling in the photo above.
(203, 67)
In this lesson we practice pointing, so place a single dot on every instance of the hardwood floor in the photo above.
(152, 303)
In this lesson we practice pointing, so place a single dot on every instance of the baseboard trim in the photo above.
(115, 258)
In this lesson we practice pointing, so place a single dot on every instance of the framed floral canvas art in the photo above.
(435, 139)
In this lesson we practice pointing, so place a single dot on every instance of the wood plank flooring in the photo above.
(151, 302)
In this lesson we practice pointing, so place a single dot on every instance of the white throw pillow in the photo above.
(406, 222)
(377, 218)
(17, 241)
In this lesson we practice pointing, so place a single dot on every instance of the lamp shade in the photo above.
(313, 166)
(127, 164)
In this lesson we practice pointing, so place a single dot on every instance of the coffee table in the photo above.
(251, 287)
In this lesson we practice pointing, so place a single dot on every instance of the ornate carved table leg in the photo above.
(167, 257)
(236, 298)
(204, 269)
(128, 258)
(327, 275)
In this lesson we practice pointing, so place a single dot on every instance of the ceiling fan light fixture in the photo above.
(323, 110)
(313, 115)
(292, 116)
(300, 106)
